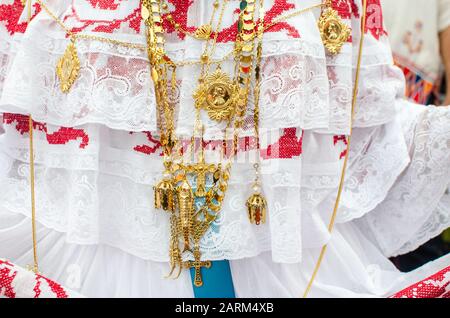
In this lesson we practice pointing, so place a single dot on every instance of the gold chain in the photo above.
(143, 47)
(205, 58)
(178, 27)
(35, 267)
(344, 167)
(291, 15)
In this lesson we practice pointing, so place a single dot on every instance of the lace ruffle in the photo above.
(301, 86)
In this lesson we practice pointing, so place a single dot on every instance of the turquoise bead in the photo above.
(243, 5)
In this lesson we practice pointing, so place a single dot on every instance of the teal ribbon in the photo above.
(217, 281)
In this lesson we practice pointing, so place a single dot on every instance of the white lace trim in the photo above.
(301, 87)
(413, 211)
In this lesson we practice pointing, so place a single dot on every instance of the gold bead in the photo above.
(169, 17)
(216, 4)
(165, 6)
(205, 58)
(177, 25)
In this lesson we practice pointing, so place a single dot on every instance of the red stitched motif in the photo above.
(133, 20)
(56, 288)
(105, 4)
(342, 138)
(435, 286)
(148, 149)
(10, 13)
(180, 14)
(60, 137)
(287, 147)
(7, 276)
(346, 8)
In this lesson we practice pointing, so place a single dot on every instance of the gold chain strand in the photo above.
(35, 267)
(205, 58)
(344, 167)
(291, 15)
(178, 27)
(143, 47)
(214, 46)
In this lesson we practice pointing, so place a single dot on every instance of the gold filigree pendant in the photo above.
(257, 208)
(217, 94)
(68, 67)
(333, 30)
(203, 32)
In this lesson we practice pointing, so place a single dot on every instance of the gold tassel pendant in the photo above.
(257, 203)
(164, 195)
(257, 207)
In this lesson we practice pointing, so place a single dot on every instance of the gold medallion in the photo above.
(68, 68)
(333, 30)
(218, 95)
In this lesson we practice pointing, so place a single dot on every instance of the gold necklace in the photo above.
(216, 93)
(183, 192)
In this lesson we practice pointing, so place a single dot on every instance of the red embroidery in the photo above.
(346, 8)
(8, 273)
(60, 137)
(287, 147)
(148, 149)
(374, 23)
(343, 139)
(180, 14)
(37, 287)
(105, 4)
(56, 288)
(435, 286)
(133, 20)
(279, 7)
(10, 13)
(7, 276)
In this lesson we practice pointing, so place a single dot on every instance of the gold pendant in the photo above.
(218, 95)
(333, 30)
(256, 207)
(186, 209)
(203, 32)
(197, 264)
(164, 195)
(68, 68)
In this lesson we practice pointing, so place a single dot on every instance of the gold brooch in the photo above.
(218, 95)
(68, 68)
(333, 31)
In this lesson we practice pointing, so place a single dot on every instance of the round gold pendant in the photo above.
(217, 94)
(333, 31)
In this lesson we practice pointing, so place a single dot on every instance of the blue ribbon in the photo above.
(217, 281)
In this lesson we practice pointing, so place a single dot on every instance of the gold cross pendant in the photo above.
(197, 264)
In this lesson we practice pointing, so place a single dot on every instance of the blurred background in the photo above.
(419, 32)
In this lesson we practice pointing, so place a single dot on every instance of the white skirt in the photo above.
(352, 267)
